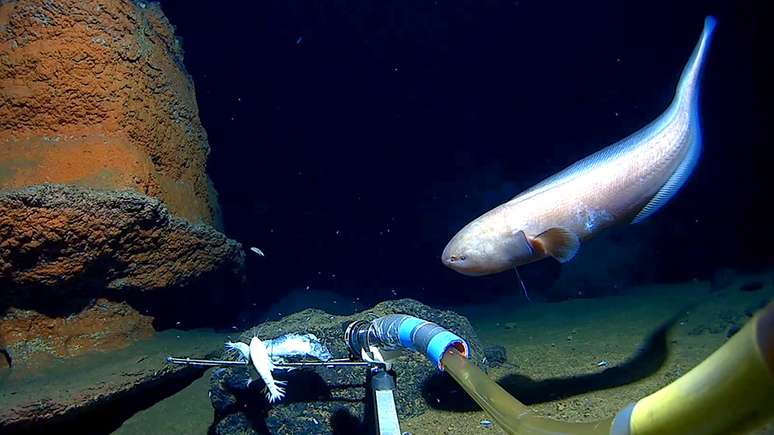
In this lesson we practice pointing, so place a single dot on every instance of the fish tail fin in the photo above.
(687, 99)
(688, 86)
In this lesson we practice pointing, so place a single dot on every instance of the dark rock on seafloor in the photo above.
(125, 245)
(495, 355)
(96, 392)
(238, 423)
(336, 400)
(232, 382)
(120, 241)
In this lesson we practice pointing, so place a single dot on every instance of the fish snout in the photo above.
(452, 259)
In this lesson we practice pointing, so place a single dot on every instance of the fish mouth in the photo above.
(446, 258)
(452, 262)
(456, 265)
(449, 260)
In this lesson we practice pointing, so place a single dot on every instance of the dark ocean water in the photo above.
(351, 139)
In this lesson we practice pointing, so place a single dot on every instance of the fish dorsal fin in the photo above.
(674, 183)
(560, 243)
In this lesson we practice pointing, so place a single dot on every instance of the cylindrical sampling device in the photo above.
(401, 331)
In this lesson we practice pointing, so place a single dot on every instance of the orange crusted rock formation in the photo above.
(63, 246)
(103, 325)
(95, 93)
(58, 238)
(103, 184)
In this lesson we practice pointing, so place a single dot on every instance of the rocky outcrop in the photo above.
(99, 391)
(103, 325)
(94, 93)
(77, 243)
(108, 219)
(61, 237)
(323, 400)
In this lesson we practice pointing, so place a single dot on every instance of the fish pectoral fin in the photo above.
(560, 243)
(522, 244)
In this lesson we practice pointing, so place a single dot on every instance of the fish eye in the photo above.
(454, 258)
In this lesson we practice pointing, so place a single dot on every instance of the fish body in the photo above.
(262, 354)
(259, 356)
(625, 182)
(297, 345)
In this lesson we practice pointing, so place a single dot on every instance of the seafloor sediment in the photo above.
(553, 355)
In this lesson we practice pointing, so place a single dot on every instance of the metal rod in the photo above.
(204, 362)
(221, 363)
(330, 363)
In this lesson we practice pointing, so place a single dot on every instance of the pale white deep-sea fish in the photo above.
(625, 182)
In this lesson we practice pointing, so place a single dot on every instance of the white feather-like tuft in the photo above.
(274, 392)
(242, 350)
(259, 356)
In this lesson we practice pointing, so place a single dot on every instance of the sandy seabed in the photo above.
(554, 353)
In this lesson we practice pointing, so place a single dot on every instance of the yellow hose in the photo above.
(511, 415)
(729, 392)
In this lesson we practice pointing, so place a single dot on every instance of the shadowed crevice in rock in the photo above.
(106, 416)
(69, 237)
(64, 247)
(100, 390)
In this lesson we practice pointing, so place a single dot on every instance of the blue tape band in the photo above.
(406, 329)
(438, 345)
(622, 421)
